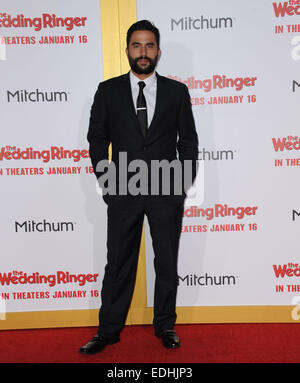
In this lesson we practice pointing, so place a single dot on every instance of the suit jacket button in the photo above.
(145, 147)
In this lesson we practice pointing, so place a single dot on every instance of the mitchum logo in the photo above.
(295, 214)
(31, 226)
(216, 155)
(189, 23)
(207, 280)
(23, 95)
(295, 85)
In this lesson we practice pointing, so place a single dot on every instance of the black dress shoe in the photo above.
(97, 344)
(169, 339)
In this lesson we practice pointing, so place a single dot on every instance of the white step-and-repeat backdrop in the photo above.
(241, 63)
(53, 223)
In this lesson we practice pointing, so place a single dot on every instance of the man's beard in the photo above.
(139, 70)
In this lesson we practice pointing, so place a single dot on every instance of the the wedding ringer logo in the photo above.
(11, 152)
(37, 23)
(217, 81)
(289, 270)
(286, 143)
(287, 8)
(189, 23)
(60, 277)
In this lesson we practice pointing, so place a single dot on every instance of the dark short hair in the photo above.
(143, 25)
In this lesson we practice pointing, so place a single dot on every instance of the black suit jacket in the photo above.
(171, 134)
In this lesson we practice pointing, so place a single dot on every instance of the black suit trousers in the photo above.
(125, 223)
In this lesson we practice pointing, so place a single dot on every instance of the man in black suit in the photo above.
(148, 118)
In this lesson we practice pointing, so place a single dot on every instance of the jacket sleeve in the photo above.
(187, 144)
(98, 135)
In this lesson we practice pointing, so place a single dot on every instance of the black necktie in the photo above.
(142, 109)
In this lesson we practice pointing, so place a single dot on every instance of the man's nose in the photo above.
(143, 50)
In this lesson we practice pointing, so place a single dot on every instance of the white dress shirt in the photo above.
(149, 92)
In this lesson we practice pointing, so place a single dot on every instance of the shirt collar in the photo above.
(149, 81)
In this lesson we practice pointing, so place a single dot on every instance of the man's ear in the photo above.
(159, 53)
(126, 51)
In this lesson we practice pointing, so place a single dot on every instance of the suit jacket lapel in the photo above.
(160, 96)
